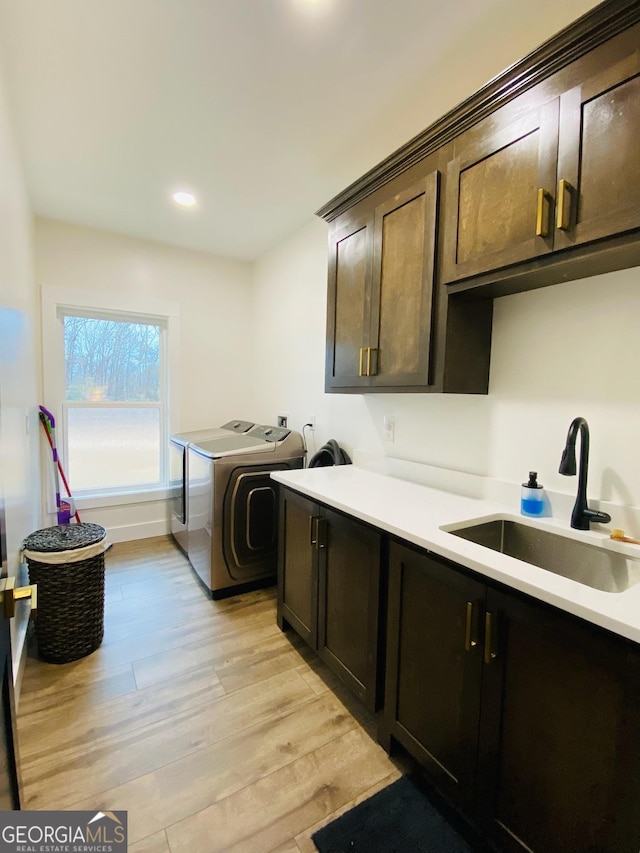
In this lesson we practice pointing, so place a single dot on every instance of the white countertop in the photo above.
(416, 513)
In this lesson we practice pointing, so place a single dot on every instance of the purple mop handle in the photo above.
(49, 416)
(54, 450)
(52, 425)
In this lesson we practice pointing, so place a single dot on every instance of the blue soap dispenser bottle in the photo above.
(532, 500)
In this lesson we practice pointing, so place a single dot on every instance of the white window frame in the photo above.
(116, 306)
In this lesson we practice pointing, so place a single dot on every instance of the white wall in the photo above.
(19, 463)
(494, 35)
(568, 350)
(257, 353)
(213, 296)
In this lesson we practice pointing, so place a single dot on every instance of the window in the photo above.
(114, 413)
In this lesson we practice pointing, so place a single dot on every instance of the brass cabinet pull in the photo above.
(362, 371)
(313, 530)
(489, 654)
(10, 593)
(542, 221)
(317, 532)
(469, 641)
(371, 371)
(321, 533)
(563, 220)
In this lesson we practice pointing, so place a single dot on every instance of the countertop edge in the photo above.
(416, 514)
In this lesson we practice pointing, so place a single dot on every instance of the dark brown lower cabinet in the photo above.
(523, 715)
(329, 589)
(298, 566)
(559, 745)
(432, 693)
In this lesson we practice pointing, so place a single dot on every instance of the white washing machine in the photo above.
(232, 506)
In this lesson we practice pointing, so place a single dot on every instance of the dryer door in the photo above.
(250, 529)
(177, 481)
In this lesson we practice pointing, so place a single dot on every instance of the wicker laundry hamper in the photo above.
(67, 564)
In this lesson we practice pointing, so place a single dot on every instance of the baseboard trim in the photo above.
(143, 530)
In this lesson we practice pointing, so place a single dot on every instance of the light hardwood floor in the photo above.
(212, 728)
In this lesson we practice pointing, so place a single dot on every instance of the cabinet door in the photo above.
(348, 304)
(348, 602)
(559, 760)
(434, 667)
(402, 288)
(297, 565)
(598, 161)
(499, 200)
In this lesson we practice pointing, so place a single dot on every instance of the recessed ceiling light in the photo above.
(314, 6)
(184, 199)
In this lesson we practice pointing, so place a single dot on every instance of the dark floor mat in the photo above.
(398, 819)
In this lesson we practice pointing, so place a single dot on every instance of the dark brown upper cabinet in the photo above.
(541, 182)
(564, 175)
(491, 210)
(380, 293)
(598, 190)
(349, 303)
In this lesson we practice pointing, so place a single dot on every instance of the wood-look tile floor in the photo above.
(212, 728)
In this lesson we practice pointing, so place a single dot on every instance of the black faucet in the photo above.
(581, 516)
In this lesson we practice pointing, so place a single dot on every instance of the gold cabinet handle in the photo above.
(313, 530)
(368, 370)
(371, 371)
(469, 641)
(321, 533)
(10, 593)
(489, 654)
(563, 219)
(542, 221)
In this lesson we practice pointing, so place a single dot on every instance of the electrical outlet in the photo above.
(283, 420)
(311, 421)
(389, 429)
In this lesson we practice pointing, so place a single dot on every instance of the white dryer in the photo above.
(178, 461)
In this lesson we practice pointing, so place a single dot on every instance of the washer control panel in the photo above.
(238, 426)
(269, 433)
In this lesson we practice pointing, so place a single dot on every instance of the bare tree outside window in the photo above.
(113, 402)
(111, 360)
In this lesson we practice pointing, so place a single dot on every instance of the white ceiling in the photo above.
(265, 109)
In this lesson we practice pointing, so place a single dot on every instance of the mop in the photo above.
(65, 508)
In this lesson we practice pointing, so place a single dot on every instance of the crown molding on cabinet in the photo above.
(583, 35)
